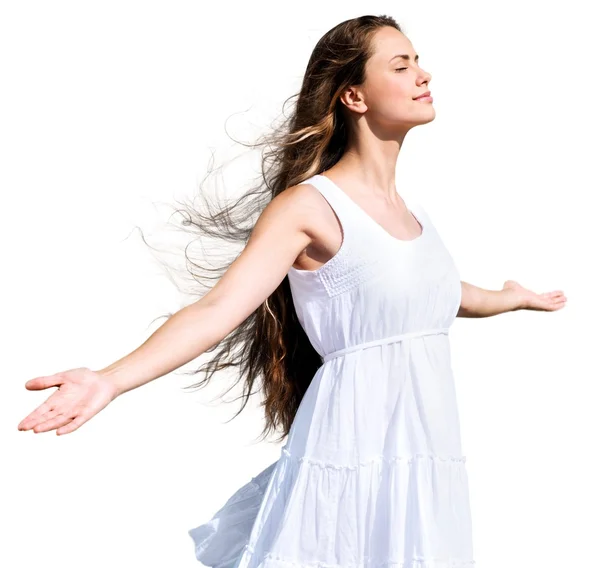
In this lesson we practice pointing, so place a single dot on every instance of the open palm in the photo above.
(81, 394)
(529, 300)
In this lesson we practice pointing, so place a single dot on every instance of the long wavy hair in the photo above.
(270, 346)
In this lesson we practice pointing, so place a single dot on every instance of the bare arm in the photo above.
(481, 303)
(277, 239)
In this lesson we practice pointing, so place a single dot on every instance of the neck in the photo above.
(370, 162)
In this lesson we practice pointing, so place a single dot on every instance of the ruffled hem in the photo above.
(380, 459)
(274, 561)
(310, 513)
(220, 542)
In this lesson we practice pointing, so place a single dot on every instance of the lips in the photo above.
(425, 94)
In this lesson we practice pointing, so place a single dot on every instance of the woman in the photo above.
(342, 301)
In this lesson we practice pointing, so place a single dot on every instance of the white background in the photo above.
(110, 108)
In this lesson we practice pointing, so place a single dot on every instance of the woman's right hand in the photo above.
(81, 394)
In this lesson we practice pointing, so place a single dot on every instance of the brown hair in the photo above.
(271, 345)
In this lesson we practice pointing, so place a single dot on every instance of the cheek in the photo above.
(392, 96)
(394, 88)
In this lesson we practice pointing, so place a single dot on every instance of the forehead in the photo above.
(387, 42)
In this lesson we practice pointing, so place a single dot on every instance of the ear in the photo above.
(353, 99)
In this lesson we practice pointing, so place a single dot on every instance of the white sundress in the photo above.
(372, 473)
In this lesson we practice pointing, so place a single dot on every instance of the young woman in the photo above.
(341, 302)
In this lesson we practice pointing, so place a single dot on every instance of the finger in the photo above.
(73, 425)
(552, 294)
(557, 304)
(55, 422)
(44, 382)
(34, 418)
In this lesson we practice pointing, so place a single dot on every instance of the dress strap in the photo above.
(337, 201)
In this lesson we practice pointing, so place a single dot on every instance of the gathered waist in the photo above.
(383, 341)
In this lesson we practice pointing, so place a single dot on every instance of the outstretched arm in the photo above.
(283, 230)
(280, 234)
(480, 303)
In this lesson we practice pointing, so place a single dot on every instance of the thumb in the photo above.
(45, 382)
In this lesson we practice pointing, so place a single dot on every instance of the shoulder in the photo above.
(302, 203)
(295, 212)
(303, 195)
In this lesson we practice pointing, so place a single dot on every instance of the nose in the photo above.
(424, 77)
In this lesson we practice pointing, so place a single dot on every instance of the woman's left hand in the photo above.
(529, 300)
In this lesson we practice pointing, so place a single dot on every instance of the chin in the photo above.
(429, 118)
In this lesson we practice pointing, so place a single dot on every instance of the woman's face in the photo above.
(392, 83)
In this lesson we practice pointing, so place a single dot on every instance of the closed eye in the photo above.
(401, 68)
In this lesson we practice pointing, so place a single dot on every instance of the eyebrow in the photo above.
(404, 56)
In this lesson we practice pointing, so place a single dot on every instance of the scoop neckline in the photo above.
(418, 218)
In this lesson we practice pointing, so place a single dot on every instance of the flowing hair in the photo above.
(270, 346)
